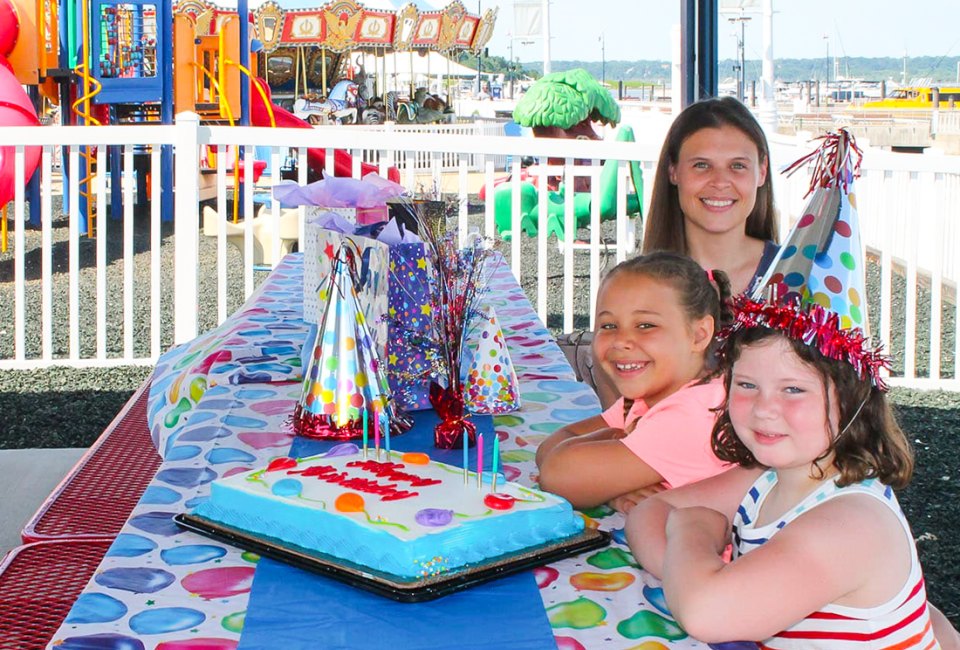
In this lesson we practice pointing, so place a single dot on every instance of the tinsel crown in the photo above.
(814, 326)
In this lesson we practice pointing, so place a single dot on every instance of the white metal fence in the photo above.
(136, 288)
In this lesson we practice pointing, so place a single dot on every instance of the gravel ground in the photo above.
(63, 407)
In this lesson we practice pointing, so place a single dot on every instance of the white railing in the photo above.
(449, 161)
(127, 294)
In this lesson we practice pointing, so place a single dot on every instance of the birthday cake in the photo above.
(404, 515)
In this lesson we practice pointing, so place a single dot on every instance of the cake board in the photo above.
(396, 588)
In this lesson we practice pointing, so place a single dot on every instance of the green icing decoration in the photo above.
(579, 614)
(646, 623)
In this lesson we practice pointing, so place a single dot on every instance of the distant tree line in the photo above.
(942, 70)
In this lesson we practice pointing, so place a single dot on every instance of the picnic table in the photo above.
(221, 404)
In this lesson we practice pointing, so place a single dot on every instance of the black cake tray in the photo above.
(397, 588)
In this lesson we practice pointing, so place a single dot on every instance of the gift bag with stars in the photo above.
(410, 320)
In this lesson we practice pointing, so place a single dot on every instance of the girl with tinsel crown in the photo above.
(655, 323)
(822, 556)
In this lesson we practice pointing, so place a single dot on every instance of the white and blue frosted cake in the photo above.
(406, 516)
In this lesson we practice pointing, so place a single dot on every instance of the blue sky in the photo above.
(640, 29)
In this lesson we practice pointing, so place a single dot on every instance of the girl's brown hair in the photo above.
(870, 443)
(665, 226)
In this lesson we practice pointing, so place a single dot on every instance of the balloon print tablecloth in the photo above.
(221, 405)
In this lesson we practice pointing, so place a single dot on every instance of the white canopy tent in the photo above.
(415, 68)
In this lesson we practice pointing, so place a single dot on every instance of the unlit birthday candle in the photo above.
(496, 461)
(386, 430)
(466, 458)
(376, 435)
(364, 434)
(479, 459)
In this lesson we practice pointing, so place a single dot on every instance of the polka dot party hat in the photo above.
(489, 381)
(344, 386)
(814, 289)
(821, 260)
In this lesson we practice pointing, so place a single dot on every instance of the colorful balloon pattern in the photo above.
(200, 398)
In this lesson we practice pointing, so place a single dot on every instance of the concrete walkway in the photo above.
(27, 476)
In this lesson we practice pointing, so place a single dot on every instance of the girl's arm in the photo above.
(589, 470)
(851, 551)
(592, 425)
(646, 524)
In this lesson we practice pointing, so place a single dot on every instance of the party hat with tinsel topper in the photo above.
(815, 288)
(821, 261)
(489, 381)
(344, 377)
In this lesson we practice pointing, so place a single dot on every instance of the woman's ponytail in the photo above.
(722, 280)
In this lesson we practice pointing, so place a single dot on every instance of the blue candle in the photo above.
(386, 433)
(466, 457)
(496, 453)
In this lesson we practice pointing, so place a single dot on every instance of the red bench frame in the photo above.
(96, 497)
(39, 583)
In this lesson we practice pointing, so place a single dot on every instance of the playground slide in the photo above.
(16, 109)
(316, 158)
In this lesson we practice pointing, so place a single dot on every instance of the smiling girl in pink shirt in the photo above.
(655, 324)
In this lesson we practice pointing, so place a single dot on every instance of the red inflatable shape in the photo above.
(316, 158)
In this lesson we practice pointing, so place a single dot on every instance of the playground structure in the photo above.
(16, 109)
(140, 61)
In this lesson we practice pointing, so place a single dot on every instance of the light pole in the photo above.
(826, 37)
(603, 60)
(510, 70)
(741, 51)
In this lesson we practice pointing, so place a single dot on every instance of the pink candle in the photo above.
(376, 433)
(479, 460)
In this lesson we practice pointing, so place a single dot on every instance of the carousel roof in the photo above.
(346, 25)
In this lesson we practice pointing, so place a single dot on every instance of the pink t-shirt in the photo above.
(673, 437)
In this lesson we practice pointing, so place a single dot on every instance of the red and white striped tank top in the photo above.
(901, 623)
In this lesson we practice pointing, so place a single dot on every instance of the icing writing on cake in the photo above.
(388, 471)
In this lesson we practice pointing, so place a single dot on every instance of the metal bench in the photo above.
(95, 499)
(39, 583)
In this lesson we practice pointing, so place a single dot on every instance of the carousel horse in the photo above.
(339, 107)
(424, 108)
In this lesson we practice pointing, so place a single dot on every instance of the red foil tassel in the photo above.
(454, 422)
(322, 427)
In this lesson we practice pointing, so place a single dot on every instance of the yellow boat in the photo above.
(918, 98)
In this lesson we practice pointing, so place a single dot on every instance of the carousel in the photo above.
(345, 62)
